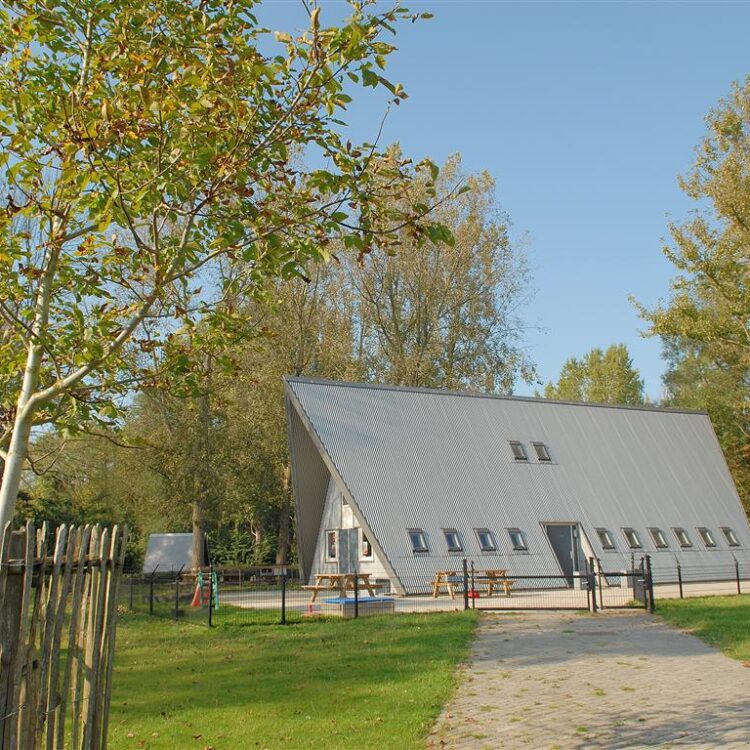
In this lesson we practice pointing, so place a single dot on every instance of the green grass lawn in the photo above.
(376, 682)
(722, 621)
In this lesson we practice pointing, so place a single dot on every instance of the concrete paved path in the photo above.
(581, 682)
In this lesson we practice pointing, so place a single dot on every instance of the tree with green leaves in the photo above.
(448, 314)
(143, 146)
(705, 322)
(605, 377)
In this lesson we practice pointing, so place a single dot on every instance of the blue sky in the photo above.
(585, 113)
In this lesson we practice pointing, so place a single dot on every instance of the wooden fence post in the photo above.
(52, 697)
(11, 586)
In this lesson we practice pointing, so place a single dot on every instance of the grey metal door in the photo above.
(564, 541)
(348, 550)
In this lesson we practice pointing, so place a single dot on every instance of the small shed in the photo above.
(168, 553)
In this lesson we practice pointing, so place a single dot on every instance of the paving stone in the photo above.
(619, 681)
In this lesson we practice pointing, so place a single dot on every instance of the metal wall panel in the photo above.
(417, 458)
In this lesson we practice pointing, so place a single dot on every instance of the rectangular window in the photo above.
(706, 536)
(730, 536)
(682, 537)
(542, 453)
(486, 540)
(517, 539)
(418, 540)
(605, 539)
(632, 538)
(659, 539)
(332, 552)
(453, 540)
(366, 552)
(519, 450)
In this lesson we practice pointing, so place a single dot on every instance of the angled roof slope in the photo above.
(435, 459)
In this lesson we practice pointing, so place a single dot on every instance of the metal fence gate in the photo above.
(593, 589)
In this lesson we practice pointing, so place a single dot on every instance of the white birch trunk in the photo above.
(26, 406)
(19, 442)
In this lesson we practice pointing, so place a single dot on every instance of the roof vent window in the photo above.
(519, 450)
(517, 539)
(634, 541)
(486, 540)
(682, 537)
(730, 536)
(707, 536)
(605, 539)
(453, 540)
(659, 539)
(542, 452)
(418, 540)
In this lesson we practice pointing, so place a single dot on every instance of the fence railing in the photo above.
(274, 594)
(57, 635)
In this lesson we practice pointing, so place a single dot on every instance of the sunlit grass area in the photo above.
(369, 683)
(722, 621)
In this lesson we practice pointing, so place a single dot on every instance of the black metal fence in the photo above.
(275, 594)
(678, 580)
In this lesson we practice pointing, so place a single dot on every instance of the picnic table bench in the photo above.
(341, 582)
(493, 579)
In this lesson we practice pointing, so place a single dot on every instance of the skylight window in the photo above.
(659, 539)
(418, 540)
(517, 539)
(682, 537)
(542, 452)
(453, 540)
(730, 536)
(706, 536)
(605, 539)
(519, 450)
(486, 540)
(633, 540)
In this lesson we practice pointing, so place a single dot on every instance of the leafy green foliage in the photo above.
(704, 323)
(146, 149)
(606, 377)
(447, 314)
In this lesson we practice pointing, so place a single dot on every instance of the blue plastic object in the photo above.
(362, 600)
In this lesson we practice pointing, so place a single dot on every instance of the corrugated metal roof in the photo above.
(430, 459)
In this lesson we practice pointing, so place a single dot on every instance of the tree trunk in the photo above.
(282, 550)
(199, 536)
(13, 468)
(24, 419)
(201, 477)
(19, 442)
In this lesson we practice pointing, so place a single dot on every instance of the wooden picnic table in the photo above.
(446, 579)
(341, 582)
(496, 578)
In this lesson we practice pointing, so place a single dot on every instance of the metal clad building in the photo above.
(386, 461)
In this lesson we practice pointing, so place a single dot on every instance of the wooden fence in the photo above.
(58, 608)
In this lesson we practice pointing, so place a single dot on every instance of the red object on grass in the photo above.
(197, 597)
